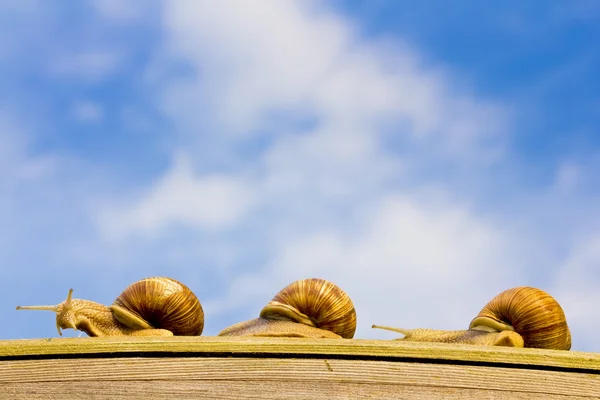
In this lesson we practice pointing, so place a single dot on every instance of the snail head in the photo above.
(65, 315)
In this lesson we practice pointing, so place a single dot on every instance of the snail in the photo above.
(518, 317)
(156, 306)
(310, 308)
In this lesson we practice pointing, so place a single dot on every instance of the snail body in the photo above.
(518, 317)
(470, 336)
(156, 306)
(313, 308)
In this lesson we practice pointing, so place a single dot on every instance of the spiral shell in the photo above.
(314, 302)
(532, 313)
(161, 303)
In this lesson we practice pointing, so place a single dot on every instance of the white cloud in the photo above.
(13, 142)
(16, 164)
(180, 197)
(567, 177)
(92, 66)
(337, 195)
(331, 162)
(125, 11)
(576, 283)
(249, 68)
(88, 111)
(368, 105)
(315, 65)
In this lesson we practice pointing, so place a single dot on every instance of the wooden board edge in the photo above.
(209, 346)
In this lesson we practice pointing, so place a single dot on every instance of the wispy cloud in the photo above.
(88, 111)
(129, 11)
(211, 202)
(92, 65)
(338, 194)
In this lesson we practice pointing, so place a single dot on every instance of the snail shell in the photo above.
(530, 312)
(518, 317)
(156, 306)
(305, 308)
(160, 303)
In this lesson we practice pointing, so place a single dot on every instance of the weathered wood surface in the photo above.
(281, 368)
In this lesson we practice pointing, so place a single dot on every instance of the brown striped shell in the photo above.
(314, 302)
(532, 313)
(161, 303)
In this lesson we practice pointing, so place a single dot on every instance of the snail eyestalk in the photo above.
(66, 305)
(405, 332)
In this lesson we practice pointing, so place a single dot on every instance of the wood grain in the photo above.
(288, 368)
(263, 347)
(250, 378)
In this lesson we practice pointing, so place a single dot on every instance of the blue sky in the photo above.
(422, 156)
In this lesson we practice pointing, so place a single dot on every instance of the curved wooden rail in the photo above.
(288, 368)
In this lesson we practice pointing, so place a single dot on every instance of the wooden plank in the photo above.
(273, 378)
(281, 347)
